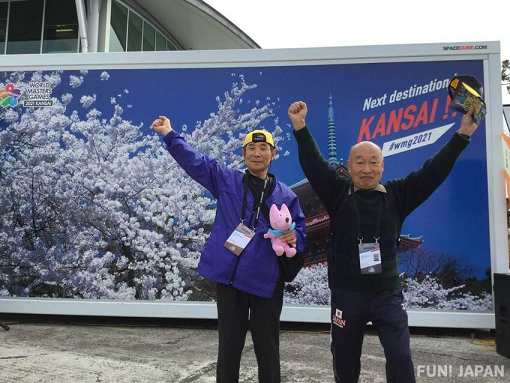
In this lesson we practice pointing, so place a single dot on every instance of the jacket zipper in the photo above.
(234, 270)
(239, 257)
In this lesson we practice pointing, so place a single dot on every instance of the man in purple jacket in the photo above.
(250, 277)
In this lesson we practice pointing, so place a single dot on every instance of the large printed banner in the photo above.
(92, 205)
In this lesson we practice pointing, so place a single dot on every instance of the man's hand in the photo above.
(467, 125)
(289, 237)
(162, 125)
(297, 114)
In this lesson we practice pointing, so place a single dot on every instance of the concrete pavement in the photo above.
(85, 349)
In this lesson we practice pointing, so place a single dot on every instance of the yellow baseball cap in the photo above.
(259, 136)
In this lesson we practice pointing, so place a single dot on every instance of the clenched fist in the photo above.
(297, 114)
(162, 125)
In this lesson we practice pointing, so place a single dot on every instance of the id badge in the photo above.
(370, 258)
(239, 239)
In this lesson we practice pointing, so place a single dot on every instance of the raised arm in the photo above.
(322, 177)
(414, 189)
(201, 168)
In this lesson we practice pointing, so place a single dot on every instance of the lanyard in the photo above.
(377, 233)
(256, 206)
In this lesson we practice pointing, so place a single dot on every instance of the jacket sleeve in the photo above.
(325, 181)
(419, 185)
(299, 218)
(290, 267)
(201, 168)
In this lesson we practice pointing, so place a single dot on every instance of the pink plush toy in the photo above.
(281, 222)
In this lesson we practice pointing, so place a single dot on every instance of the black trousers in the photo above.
(237, 312)
(350, 312)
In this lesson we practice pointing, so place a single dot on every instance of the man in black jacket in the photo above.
(366, 217)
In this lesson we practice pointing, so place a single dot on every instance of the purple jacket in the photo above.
(258, 268)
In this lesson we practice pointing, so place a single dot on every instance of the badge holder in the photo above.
(239, 239)
(369, 257)
(242, 234)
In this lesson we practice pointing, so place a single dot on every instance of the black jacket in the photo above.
(402, 196)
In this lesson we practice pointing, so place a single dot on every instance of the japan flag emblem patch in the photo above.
(337, 318)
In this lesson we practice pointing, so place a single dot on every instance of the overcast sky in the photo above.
(318, 23)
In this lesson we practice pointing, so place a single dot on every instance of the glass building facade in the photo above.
(38, 26)
(131, 32)
(51, 26)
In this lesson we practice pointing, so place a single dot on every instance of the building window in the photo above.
(51, 26)
(160, 42)
(118, 27)
(130, 32)
(149, 37)
(170, 46)
(60, 27)
(25, 26)
(4, 8)
(134, 37)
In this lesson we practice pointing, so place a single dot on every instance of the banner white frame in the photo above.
(489, 52)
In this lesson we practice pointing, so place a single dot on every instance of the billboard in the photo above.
(96, 215)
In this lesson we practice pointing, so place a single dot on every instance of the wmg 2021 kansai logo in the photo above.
(9, 96)
(38, 93)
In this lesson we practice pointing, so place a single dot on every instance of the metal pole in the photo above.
(93, 24)
(82, 22)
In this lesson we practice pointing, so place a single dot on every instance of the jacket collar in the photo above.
(379, 188)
